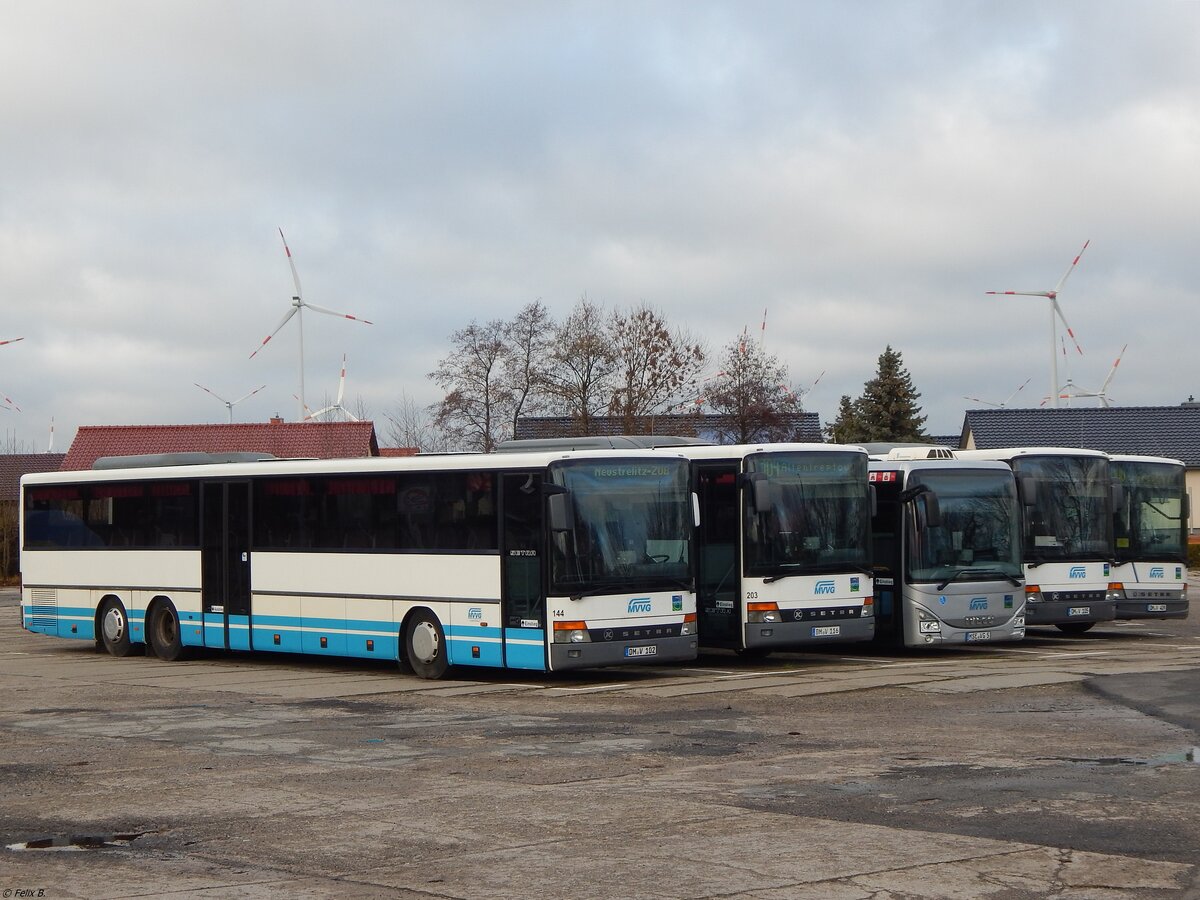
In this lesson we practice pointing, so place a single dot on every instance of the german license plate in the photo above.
(973, 636)
(1156, 607)
(641, 651)
(826, 630)
(1079, 611)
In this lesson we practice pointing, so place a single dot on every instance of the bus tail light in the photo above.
(762, 612)
(571, 633)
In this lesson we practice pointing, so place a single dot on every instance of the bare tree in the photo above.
(578, 380)
(411, 425)
(474, 412)
(529, 338)
(654, 365)
(753, 395)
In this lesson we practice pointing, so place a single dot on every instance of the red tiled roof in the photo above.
(399, 451)
(319, 440)
(14, 465)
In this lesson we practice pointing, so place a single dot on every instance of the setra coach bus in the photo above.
(538, 561)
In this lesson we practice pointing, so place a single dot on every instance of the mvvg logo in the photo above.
(475, 612)
(979, 603)
(824, 587)
(639, 605)
(1157, 572)
(1078, 572)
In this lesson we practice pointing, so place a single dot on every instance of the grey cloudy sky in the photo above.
(862, 171)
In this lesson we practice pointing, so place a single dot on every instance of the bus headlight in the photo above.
(1033, 593)
(689, 625)
(571, 633)
(1116, 591)
(757, 613)
(1018, 622)
(927, 624)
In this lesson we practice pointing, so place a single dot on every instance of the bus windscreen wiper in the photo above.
(1012, 579)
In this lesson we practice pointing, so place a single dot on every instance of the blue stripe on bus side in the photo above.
(525, 648)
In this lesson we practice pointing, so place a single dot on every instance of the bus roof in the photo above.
(1010, 453)
(369, 465)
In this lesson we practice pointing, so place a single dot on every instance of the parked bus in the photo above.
(1150, 524)
(540, 561)
(783, 545)
(1067, 544)
(782, 549)
(946, 539)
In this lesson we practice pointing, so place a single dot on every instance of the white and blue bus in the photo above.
(1150, 524)
(1067, 502)
(783, 549)
(946, 551)
(538, 561)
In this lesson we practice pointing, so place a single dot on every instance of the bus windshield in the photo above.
(819, 514)
(979, 535)
(1071, 517)
(1148, 524)
(630, 528)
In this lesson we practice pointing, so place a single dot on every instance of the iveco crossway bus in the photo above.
(946, 551)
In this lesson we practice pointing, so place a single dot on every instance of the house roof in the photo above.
(14, 465)
(287, 440)
(1170, 431)
(807, 424)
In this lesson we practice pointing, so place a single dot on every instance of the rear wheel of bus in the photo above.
(163, 632)
(425, 645)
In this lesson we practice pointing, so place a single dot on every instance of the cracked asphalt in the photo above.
(1059, 767)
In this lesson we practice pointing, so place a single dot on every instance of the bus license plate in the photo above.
(826, 630)
(641, 651)
(1079, 611)
(1156, 607)
(978, 636)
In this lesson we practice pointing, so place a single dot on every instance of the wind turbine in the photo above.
(229, 404)
(337, 405)
(1055, 310)
(1006, 401)
(8, 403)
(1073, 391)
(299, 304)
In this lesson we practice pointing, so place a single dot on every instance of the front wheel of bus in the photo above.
(425, 646)
(1074, 627)
(165, 638)
(114, 628)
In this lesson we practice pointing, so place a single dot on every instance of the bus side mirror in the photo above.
(1027, 489)
(932, 509)
(695, 510)
(558, 512)
(760, 491)
(1118, 496)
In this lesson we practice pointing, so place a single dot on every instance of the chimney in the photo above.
(276, 420)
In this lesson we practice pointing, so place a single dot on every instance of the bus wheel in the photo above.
(165, 639)
(114, 628)
(425, 645)
(1074, 627)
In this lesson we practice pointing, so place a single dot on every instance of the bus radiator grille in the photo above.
(44, 609)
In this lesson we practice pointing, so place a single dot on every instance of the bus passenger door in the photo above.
(225, 564)
(523, 605)
(718, 585)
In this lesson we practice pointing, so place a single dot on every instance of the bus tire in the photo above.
(1074, 627)
(112, 627)
(425, 645)
(164, 633)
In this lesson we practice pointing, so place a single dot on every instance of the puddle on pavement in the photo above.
(1190, 755)
(79, 841)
